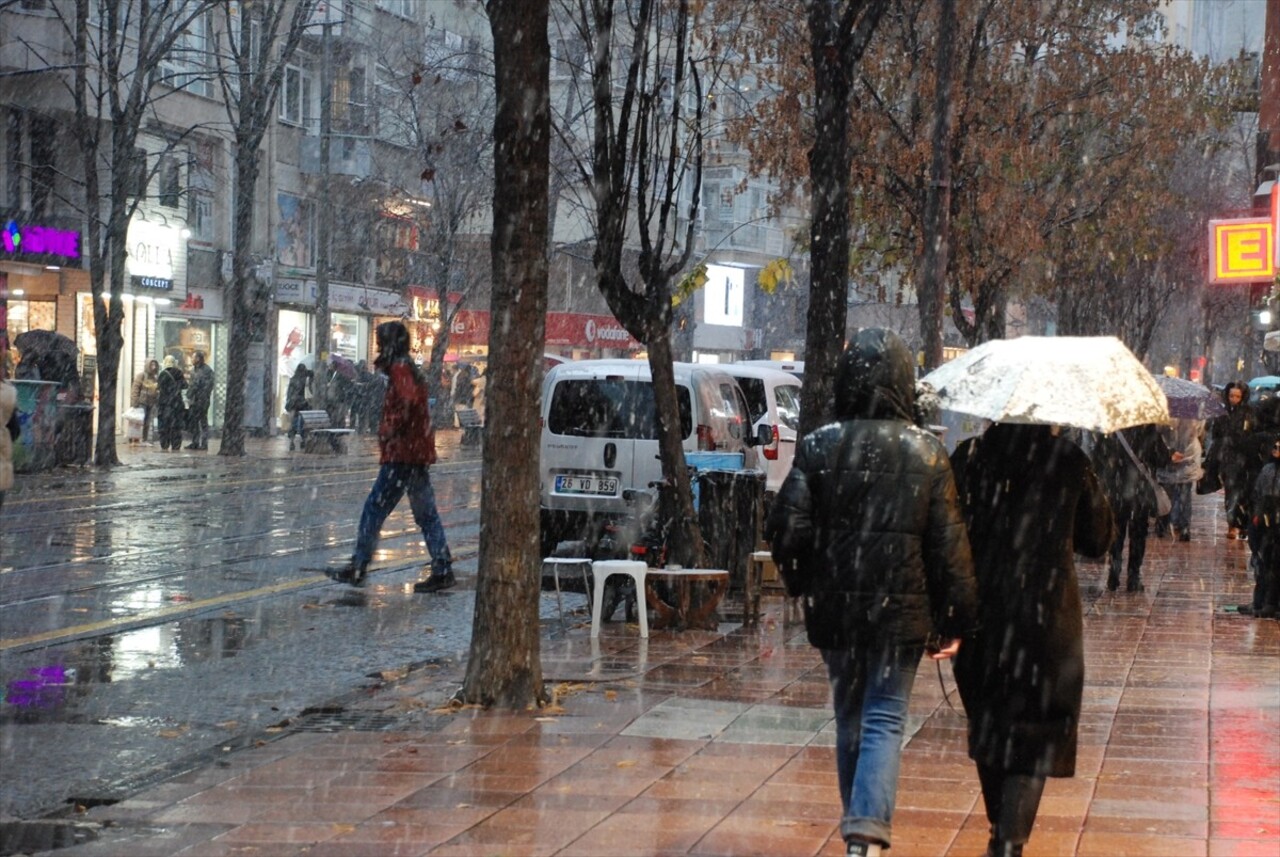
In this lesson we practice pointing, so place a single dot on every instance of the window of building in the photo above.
(187, 64)
(403, 8)
(295, 96)
(13, 159)
(395, 116)
(169, 176)
(44, 172)
(141, 177)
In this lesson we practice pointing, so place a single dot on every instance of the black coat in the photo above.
(170, 385)
(1123, 481)
(869, 514)
(1229, 436)
(1031, 500)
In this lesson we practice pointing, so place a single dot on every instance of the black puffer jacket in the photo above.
(867, 525)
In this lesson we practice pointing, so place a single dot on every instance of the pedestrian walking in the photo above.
(1126, 461)
(1183, 437)
(868, 530)
(145, 394)
(1229, 451)
(199, 393)
(8, 434)
(1264, 540)
(1031, 499)
(408, 449)
(171, 413)
(296, 400)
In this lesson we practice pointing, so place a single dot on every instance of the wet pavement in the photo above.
(720, 743)
(152, 615)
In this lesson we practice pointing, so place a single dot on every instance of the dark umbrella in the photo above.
(343, 366)
(48, 356)
(1189, 400)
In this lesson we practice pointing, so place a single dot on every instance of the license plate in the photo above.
(586, 483)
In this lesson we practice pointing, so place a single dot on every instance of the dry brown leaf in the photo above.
(228, 724)
(274, 729)
(394, 674)
(627, 763)
(611, 695)
(172, 733)
(311, 606)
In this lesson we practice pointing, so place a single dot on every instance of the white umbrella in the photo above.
(1091, 382)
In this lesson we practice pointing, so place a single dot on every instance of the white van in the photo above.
(773, 401)
(793, 367)
(600, 440)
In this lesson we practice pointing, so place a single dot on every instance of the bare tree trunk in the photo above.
(504, 666)
(241, 277)
(937, 207)
(685, 538)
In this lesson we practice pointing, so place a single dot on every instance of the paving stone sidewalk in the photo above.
(720, 743)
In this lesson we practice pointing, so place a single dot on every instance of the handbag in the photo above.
(1164, 505)
(1211, 480)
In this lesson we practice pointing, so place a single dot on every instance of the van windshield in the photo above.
(599, 407)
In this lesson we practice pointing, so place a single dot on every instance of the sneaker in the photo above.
(862, 849)
(436, 582)
(1134, 585)
(1184, 536)
(1245, 609)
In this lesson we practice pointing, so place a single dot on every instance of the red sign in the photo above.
(588, 331)
(470, 327)
(1275, 217)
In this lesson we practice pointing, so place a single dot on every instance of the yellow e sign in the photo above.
(1241, 250)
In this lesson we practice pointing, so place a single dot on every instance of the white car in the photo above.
(793, 367)
(600, 437)
(773, 400)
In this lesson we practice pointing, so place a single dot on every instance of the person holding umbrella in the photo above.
(1183, 437)
(1031, 501)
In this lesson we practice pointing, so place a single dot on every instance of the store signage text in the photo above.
(1241, 250)
(35, 240)
(151, 248)
(154, 283)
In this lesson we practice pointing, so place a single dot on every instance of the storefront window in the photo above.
(181, 339)
(345, 339)
(293, 346)
(31, 315)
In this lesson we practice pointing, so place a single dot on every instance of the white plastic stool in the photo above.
(556, 562)
(600, 570)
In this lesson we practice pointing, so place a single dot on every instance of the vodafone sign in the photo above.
(587, 331)
(576, 330)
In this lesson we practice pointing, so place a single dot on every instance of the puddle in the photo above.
(30, 837)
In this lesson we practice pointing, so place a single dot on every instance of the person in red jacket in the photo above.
(408, 445)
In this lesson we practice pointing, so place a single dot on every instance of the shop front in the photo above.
(354, 311)
(39, 262)
(580, 336)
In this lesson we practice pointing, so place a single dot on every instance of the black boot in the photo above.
(997, 848)
(1113, 577)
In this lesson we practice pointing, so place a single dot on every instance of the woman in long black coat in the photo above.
(1031, 500)
(171, 413)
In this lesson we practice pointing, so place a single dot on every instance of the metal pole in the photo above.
(324, 225)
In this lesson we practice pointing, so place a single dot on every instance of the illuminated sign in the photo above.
(154, 283)
(35, 240)
(723, 295)
(1275, 218)
(152, 247)
(1242, 250)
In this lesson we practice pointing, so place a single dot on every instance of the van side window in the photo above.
(598, 407)
(788, 406)
(734, 408)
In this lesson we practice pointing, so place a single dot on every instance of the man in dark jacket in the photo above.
(1127, 462)
(867, 528)
(199, 393)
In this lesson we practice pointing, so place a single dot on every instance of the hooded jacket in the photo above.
(867, 526)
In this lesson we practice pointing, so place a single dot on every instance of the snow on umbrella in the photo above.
(1189, 400)
(1090, 382)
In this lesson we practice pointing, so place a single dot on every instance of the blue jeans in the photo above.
(392, 482)
(870, 689)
